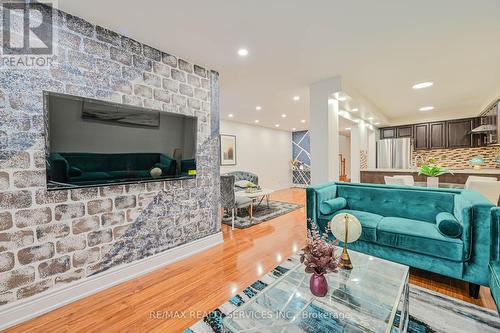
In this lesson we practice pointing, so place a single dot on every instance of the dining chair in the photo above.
(231, 202)
(478, 179)
(489, 189)
(407, 179)
(393, 180)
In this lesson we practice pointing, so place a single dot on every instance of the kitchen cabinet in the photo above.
(454, 133)
(437, 135)
(459, 135)
(421, 136)
(404, 131)
(388, 133)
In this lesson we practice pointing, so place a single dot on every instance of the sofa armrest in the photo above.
(495, 234)
(315, 195)
(58, 168)
(170, 163)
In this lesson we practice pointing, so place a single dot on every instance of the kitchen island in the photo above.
(459, 176)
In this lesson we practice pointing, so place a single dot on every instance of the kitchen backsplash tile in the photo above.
(459, 158)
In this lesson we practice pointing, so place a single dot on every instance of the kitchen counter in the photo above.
(459, 176)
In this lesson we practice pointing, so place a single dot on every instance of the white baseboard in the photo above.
(21, 311)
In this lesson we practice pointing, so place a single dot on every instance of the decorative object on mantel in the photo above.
(155, 173)
(227, 149)
(477, 162)
(433, 170)
(319, 258)
(347, 228)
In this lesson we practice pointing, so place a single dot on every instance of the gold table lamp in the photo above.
(347, 228)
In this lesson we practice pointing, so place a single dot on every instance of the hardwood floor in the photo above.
(173, 298)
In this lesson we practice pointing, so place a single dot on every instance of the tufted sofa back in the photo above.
(405, 202)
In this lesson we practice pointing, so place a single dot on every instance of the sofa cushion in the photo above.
(369, 223)
(418, 236)
(448, 225)
(331, 206)
(495, 282)
(406, 202)
(90, 176)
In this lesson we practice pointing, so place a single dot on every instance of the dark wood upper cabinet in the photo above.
(404, 131)
(454, 133)
(459, 133)
(421, 136)
(388, 133)
(437, 135)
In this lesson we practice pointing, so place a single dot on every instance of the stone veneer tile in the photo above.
(85, 66)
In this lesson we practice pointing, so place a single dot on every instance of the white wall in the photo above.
(263, 151)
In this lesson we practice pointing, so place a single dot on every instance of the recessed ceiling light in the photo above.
(230, 115)
(277, 125)
(341, 98)
(355, 110)
(347, 128)
(242, 52)
(296, 98)
(293, 129)
(256, 121)
(370, 118)
(303, 121)
(426, 108)
(377, 123)
(258, 108)
(422, 85)
(283, 115)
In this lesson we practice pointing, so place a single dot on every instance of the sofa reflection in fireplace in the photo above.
(86, 169)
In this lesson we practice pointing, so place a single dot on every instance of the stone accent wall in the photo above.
(49, 239)
(459, 158)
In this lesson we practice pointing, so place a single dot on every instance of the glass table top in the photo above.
(364, 299)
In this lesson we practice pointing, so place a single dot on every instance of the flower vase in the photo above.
(318, 284)
(433, 182)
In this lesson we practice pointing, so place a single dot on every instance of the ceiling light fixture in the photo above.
(423, 85)
(242, 52)
(256, 121)
(341, 98)
(347, 128)
(296, 98)
(355, 110)
(426, 108)
(258, 108)
(277, 125)
(303, 121)
(370, 118)
(230, 115)
(283, 115)
(293, 129)
(377, 123)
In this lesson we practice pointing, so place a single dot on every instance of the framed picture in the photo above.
(227, 149)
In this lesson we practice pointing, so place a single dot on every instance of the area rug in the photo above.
(261, 213)
(430, 312)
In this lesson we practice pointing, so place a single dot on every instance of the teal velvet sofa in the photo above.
(400, 224)
(495, 257)
(93, 168)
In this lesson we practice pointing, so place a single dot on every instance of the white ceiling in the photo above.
(381, 47)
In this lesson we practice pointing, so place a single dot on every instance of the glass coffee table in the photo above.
(372, 297)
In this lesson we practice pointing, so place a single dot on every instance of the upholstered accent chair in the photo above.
(495, 257)
(244, 175)
(229, 202)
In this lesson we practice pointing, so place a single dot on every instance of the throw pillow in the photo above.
(331, 206)
(448, 225)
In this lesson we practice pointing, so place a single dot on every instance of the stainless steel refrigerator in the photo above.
(394, 153)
